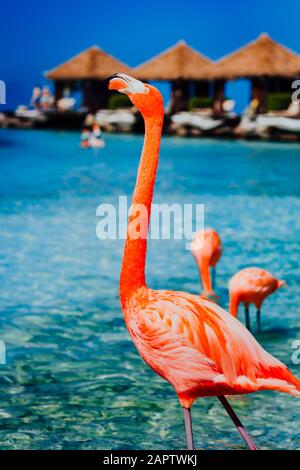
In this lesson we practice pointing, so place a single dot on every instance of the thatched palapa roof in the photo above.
(262, 57)
(178, 62)
(93, 63)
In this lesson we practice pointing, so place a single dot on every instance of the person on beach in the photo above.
(36, 97)
(46, 98)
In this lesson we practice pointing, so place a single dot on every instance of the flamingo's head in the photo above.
(146, 98)
(197, 243)
(280, 283)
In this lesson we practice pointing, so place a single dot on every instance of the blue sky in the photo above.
(35, 36)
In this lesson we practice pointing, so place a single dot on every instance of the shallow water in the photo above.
(73, 379)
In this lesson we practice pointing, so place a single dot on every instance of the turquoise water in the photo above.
(73, 379)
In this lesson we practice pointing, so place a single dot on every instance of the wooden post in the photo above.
(95, 95)
(259, 93)
(58, 91)
(179, 96)
(202, 88)
(219, 87)
(103, 95)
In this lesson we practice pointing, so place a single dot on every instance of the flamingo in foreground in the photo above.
(251, 286)
(188, 340)
(206, 247)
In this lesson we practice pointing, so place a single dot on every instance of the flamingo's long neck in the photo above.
(134, 259)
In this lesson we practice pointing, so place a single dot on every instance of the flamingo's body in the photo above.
(207, 249)
(190, 341)
(200, 348)
(251, 286)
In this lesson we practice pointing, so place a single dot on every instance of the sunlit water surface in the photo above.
(73, 379)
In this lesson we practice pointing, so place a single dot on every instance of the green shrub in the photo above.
(200, 102)
(278, 101)
(118, 101)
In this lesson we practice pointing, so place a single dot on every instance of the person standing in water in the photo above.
(85, 138)
(96, 140)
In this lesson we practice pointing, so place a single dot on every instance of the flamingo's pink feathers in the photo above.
(206, 247)
(200, 348)
(251, 285)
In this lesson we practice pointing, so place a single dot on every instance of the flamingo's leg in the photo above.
(241, 429)
(213, 276)
(247, 317)
(188, 428)
(258, 324)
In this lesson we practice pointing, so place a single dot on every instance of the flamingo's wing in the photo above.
(190, 340)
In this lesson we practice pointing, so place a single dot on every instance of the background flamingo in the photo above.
(191, 342)
(251, 286)
(207, 249)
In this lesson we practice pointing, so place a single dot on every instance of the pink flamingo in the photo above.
(251, 286)
(207, 249)
(190, 341)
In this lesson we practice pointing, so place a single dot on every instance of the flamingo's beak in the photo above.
(116, 84)
(126, 84)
